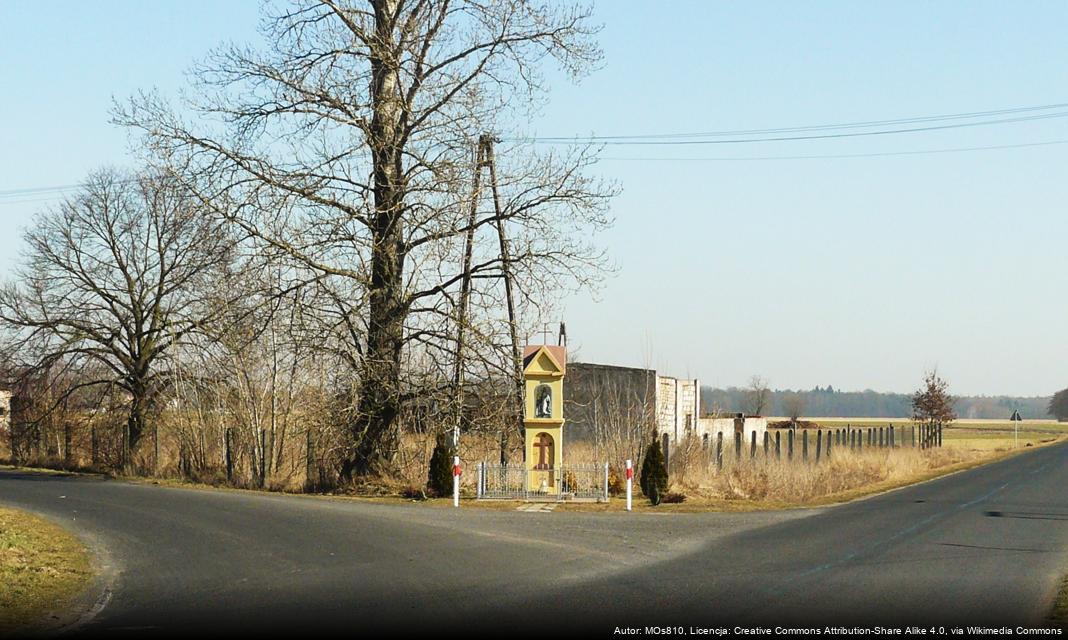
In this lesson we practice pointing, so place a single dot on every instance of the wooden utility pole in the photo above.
(465, 286)
(485, 159)
(506, 271)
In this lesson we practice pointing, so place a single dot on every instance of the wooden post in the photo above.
(94, 447)
(310, 472)
(837, 436)
(819, 443)
(719, 450)
(804, 445)
(778, 445)
(68, 455)
(912, 435)
(767, 441)
(852, 440)
(704, 442)
(737, 445)
(752, 445)
(939, 434)
(790, 446)
(228, 452)
(892, 443)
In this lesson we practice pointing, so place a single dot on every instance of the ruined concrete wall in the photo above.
(600, 399)
(678, 406)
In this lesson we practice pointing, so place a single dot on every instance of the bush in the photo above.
(439, 475)
(617, 484)
(654, 476)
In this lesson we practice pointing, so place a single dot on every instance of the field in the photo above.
(976, 435)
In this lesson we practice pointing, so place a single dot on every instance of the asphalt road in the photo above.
(987, 546)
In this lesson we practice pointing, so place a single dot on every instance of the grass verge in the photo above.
(41, 568)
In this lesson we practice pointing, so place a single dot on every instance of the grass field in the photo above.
(41, 568)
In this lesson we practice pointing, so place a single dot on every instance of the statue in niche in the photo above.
(543, 401)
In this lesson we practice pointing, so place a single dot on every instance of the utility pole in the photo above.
(506, 271)
(485, 159)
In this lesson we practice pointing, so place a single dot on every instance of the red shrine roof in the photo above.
(558, 353)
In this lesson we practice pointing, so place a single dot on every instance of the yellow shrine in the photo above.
(543, 415)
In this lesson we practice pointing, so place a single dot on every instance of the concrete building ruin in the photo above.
(601, 398)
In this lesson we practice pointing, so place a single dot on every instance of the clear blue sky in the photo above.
(855, 272)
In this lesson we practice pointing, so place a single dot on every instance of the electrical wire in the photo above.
(876, 154)
(826, 136)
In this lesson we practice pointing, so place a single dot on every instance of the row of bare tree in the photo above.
(283, 272)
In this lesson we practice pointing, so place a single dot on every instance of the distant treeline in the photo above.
(824, 402)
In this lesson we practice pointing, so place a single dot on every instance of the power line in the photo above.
(821, 127)
(826, 136)
(876, 154)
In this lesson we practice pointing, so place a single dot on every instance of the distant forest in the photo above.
(828, 402)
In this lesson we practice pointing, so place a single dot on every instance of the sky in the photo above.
(732, 260)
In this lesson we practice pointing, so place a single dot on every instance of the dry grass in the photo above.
(41, 568)
(762, 483)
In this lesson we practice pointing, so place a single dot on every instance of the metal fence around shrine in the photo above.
(581, 482)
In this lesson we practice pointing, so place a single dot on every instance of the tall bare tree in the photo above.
(794, 405)
(757, 395)
(347, 147)
(112, 278)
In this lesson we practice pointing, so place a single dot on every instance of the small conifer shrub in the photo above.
(654, 476)
(439, 475)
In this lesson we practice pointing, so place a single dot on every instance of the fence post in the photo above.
(606, 482)
(778, 445)
(630, 480)
(836, 443)
(229, 453)
(456, 481)
(892, 442)
(719, 450)
(478, 481)
(939, 434)
(309, 461)
(94, 446)
(790, 446)
(819, 443)
(912, 435)
(804, 445)
(752, 445)
(737, 445)
(767, 440)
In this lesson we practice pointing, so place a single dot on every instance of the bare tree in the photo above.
(794, 405)
(112, 278)
(757, 395)
(347, 147)
(932, 404)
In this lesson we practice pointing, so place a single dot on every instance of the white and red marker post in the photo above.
(630, 482)
(456, 471)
